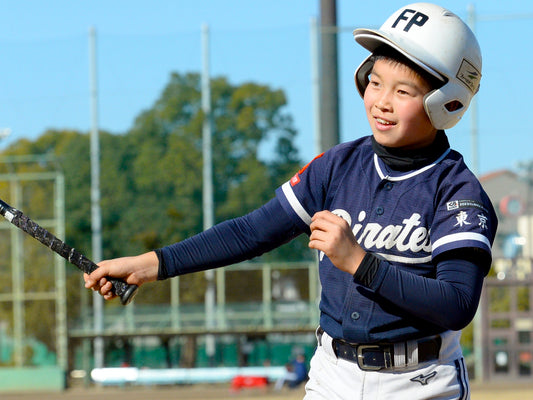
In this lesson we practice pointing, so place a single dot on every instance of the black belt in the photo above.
(377, 356)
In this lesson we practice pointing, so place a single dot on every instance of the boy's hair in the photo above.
(389, 54)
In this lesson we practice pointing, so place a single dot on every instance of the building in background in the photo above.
(507, 300)
(511, 196)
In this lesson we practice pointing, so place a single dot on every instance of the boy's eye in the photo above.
(406, 92)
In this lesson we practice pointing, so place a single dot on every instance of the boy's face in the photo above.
(394, 106)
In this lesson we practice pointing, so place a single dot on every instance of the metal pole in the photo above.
(527, 246)
(315, 82)
(473, 104)
(478, 318)
(60, 297)
(268, 319)
(527, 167)
(18, 283)
(96, 219)
(208, 187)
(175, 321)
(329, 106)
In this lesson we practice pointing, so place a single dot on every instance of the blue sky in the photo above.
(44, 73)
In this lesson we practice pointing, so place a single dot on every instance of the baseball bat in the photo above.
(16, 217)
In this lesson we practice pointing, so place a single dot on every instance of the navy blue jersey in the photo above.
(405, 218)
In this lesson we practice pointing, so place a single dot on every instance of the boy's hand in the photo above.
(133, 270)
(333, 236)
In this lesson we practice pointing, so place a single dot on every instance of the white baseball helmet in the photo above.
(438, 42)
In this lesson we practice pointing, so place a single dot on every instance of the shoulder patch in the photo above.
(296, 178)
(458, 204)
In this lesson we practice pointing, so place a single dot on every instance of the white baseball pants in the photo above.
(331, 378)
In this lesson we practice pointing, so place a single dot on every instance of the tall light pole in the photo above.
(329, 81)
(96, 219)
(473, 104)
(207, 195)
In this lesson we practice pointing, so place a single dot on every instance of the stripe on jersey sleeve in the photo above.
(458, 237)
(295, 203)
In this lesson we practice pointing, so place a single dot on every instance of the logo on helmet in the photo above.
(417, 19)
(469, 75)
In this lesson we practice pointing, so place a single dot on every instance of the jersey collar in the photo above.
(407, 161)
(408, 175)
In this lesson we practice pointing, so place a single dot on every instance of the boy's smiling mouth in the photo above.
(385, 122)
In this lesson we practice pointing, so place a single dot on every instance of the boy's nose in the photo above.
(383, 103)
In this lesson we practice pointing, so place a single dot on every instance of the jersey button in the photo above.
(380, 211)
(355, 315)
(388, 186)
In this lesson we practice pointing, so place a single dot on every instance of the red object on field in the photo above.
(244, 381)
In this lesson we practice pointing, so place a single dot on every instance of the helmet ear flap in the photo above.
(445, 106)
(361, 75)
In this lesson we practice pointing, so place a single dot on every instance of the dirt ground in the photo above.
(195, 392)
(488, 391)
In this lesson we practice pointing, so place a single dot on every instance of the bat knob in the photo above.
(129, 294)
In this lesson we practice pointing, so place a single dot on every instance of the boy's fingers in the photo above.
(106, 288)
(96, 279)
(97, 275)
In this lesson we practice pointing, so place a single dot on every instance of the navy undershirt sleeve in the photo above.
(229, 242)
(449, 300)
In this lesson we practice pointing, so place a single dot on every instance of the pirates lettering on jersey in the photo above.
(406, 237)
(409, 236)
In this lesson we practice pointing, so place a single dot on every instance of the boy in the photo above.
(403, 228)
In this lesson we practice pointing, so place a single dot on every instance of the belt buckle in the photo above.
(361, 358)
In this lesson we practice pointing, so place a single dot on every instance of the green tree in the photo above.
(165, 172)
(151, 176)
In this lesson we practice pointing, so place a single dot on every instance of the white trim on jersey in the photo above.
(295, 203)
(456, 237)
(405, 260)
(403, 177)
